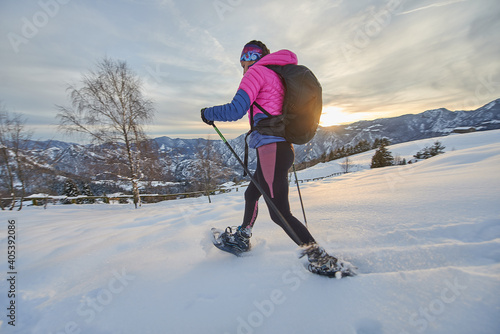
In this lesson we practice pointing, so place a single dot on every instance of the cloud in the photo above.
(412, 62)
(439, 4)
(368, 55)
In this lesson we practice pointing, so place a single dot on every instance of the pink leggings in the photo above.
(273, 162)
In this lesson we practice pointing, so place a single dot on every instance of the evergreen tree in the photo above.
(382, 158)
(331, 156)
(86, 191)
(381, 142)
(437, 148)
(362, 146)
(70, 189)
(430, 151)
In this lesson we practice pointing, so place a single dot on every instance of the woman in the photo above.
(275, 155)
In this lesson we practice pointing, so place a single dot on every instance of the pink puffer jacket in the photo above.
(263, 85)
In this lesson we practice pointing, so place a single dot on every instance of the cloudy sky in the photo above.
(374, 58)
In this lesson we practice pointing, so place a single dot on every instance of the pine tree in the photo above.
(86, 191)
(437, 148)
(430, 151)
(362, 146)
(382, 158)
(381, 142)
(70, 189)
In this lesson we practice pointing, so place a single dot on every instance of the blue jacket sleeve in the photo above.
(232, 111)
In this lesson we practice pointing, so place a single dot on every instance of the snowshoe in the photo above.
(321, 263)
(236, 242)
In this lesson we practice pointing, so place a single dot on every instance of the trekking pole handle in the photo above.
(220, 134)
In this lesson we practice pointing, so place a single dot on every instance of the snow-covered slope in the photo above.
(362, 161)
(426, 239)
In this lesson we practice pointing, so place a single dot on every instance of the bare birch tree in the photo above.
(110, 108)
(14, 157)
(346, 165)
(209, 168)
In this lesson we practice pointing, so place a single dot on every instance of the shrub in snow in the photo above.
(430, 151)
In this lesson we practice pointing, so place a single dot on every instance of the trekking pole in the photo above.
(300, 195)
(269, 202)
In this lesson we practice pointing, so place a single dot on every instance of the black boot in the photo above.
(321, 263)
(239, 239)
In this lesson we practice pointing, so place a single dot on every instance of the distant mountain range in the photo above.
(181, 153)
(431, 123)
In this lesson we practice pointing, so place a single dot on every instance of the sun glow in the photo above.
(336, 116)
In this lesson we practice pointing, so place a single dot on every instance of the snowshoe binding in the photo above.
(234, 240)
(321, 263)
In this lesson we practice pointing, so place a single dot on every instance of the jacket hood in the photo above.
(282, 57)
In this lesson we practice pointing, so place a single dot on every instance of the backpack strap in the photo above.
(252, 127)
(262, 109)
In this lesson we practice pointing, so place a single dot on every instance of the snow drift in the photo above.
(425, 238)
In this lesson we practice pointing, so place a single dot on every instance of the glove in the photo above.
(204, 119)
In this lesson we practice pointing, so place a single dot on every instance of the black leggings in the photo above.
(273, 162)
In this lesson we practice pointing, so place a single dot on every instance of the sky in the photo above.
(374, 58)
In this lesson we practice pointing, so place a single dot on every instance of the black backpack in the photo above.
(302, 106)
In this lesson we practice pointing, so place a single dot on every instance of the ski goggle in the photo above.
(251, 53)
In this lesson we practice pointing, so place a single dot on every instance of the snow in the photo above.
(425, 237)
(362, 161)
